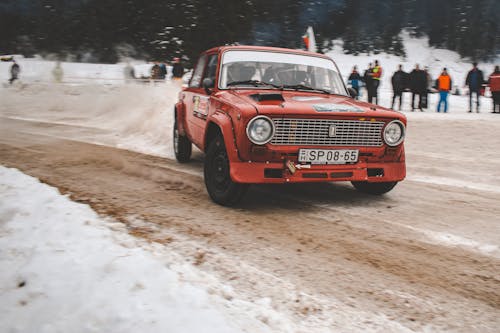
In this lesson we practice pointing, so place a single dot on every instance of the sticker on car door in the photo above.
(200, 106)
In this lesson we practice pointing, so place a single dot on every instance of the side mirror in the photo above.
(208, 84)
(353, 93)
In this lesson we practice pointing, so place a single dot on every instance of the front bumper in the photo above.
(281, 172)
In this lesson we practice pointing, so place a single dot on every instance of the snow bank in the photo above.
(38, 70)
(64, 270)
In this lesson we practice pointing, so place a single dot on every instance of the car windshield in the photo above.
(271, 70)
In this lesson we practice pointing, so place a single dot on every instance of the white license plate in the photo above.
(328, 156)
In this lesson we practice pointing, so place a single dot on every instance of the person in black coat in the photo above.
(418, 86)
(399, 84)
(474, 81)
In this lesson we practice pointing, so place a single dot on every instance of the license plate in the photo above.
(328, 156)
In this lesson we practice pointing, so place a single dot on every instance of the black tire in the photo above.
(374, 188)
(182, 146)
(220, 187)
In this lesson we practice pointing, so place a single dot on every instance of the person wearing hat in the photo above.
(443, 84)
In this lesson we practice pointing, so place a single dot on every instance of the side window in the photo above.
(212, 68)
(198, 72)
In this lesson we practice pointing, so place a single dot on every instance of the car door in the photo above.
(197, 100)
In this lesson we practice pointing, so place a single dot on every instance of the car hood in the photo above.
(282, 103)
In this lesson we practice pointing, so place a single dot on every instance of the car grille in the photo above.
(292, 131)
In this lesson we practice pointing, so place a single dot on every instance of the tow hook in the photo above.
(292, 167)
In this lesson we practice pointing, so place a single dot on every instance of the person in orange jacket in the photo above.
(443, 84)
(494, 83)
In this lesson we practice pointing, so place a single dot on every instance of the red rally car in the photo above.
(273, 115)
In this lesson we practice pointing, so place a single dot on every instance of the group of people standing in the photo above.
(419, 82)
(370, 79)
(159, 70)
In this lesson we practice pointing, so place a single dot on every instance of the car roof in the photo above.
(264, 48)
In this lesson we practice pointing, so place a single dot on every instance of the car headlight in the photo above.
(260, 130)
(394, 133)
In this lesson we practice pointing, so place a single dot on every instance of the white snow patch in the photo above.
(454, 182)
(452, 240)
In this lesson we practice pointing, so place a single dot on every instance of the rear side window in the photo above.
(198, 72)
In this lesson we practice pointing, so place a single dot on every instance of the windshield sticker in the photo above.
(330, 107)
(306, 98)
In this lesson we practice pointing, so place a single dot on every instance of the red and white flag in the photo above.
(309, 40)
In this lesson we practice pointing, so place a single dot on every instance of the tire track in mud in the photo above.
(327, 253)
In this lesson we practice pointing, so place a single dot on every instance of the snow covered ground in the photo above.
(65, 269)
(70, 270)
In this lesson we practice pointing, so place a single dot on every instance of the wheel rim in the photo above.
(220, 167)
(176, 140)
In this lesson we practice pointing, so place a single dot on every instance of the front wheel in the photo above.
(182, 146)
(374, 188)
(220, 187)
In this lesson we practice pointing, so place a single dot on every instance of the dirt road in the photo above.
(423, 258)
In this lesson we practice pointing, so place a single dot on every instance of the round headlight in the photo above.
(260, 130)
(394, 133)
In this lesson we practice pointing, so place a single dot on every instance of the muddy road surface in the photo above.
(424, 257)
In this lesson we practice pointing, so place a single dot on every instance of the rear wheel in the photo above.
(220, 187)
(374, 188)
(182, 146)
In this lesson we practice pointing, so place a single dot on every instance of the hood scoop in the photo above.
(268, 97)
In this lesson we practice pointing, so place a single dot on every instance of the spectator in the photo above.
(163, 71)
(368, 78)
(428, 87)
(399, 83)
(430, 82)
(418, 86)
(155, 71)
(129, 73)
(177, 69)
(15, 69)
(354, 80)
(474, 81)
(494, 83)
(443, 84)
(57, 72)
(377, 75)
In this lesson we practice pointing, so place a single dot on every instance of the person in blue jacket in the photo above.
(474, 81)
(354, 80)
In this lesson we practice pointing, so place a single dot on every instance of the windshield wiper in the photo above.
(255, 83)
(304, 87)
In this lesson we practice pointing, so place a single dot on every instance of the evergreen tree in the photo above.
(105, 30)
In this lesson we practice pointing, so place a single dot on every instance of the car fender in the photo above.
(224, 123)
(180, 117)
